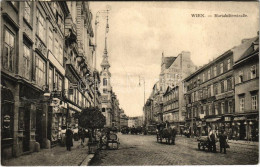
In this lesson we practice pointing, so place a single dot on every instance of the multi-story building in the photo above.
(157, 103)
(171, 105)
(210, 94)
(148, 112)
(43, 56)
(246, 74)
(123, 121)
(174, 69)
(79, 83)
(27, 58)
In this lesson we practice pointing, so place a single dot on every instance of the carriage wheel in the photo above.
(199, 146)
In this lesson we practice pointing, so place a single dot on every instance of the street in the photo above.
(144, 150)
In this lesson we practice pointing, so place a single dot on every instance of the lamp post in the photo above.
(107, 28)
(144, 91)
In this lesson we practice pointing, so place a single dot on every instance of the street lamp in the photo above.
(144, 92)
(107, 28)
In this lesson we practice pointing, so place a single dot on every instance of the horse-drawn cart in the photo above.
(203, 142)
(168, 133)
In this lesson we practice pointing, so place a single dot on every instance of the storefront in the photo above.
(57, 121)
(7, 122)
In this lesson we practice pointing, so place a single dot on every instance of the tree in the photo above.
(91, 118)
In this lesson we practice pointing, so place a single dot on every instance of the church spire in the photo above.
(105, 63)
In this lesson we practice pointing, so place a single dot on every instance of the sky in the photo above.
(140, 31)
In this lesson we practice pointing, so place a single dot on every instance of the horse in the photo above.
(167, 133)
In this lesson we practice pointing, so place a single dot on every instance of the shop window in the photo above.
(27, 11)
(60, 83)
(8, 51)
(40, 71)
(51, 79)
(253, 72)
(254, 102)
(26, 61)
(241, 103)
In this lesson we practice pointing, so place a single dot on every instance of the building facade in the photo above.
(210, 95)
(246, 74)
(44, 61)
(213, 93)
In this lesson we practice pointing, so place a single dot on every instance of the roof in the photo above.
(243, 50)
(168, 61)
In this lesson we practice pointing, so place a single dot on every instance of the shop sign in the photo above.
(6, 121)
(57, 94)
(227, 119)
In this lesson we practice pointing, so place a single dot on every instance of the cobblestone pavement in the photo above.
(144, 150)
(56, 156)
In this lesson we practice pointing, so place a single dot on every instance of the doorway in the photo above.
(26, 139)
(38, 132)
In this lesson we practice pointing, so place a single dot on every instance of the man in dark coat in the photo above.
(69, 137)
(222, 141)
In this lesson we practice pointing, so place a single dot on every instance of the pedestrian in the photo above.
(69, 138)
(82, 135)
(223, 141)
(212, 140)
(181, 132)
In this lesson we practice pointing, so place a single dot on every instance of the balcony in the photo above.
(70, 31)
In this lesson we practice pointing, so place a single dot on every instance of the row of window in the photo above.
(210, 73)
(78, 98)
(254, 102)
(218, 108)
(211, 90)
(172, 95)
(171, 106)
(252, 74)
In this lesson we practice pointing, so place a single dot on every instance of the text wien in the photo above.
(197, 15)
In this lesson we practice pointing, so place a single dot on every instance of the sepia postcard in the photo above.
(140, 83)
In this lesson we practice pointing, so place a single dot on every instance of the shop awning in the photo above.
(239, 118)
(212, 119)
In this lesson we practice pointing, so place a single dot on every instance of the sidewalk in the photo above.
(242, 142)
(56, 156)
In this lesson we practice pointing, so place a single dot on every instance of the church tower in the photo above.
(105, 87)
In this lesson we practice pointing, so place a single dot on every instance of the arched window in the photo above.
(104, 82)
